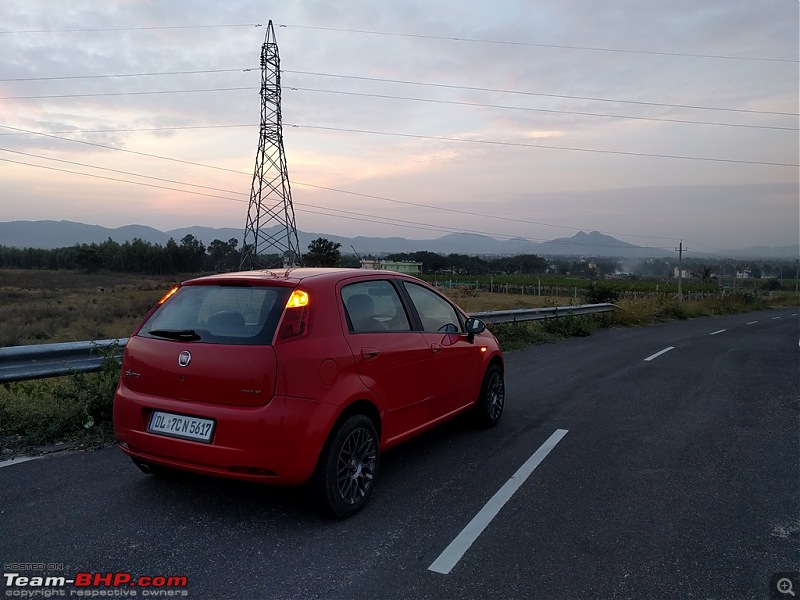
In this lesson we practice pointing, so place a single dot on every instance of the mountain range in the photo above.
(58, 234)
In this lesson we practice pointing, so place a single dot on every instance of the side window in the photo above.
(374, 306)
(437, 314)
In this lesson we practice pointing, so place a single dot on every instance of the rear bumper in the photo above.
(278, 443)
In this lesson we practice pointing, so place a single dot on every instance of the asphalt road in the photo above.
(675, 477)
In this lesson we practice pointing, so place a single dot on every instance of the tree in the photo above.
(323, 253)
(88, 258)
(223, 256)
(192, 253)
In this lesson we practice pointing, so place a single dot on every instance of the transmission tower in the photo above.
(270, 227)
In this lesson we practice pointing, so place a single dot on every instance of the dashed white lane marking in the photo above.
(657, 354)
(716, 332)
(458, 547)
(775, 318)
(752, 322)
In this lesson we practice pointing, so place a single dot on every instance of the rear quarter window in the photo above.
(220, 314)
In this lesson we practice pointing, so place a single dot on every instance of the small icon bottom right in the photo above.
(784, 585)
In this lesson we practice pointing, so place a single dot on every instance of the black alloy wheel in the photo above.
(348, 466)
(491, 398)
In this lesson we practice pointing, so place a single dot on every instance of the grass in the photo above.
(56, 306)
(38, 307)
(75, 407)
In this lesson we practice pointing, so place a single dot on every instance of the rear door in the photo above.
(391, 359)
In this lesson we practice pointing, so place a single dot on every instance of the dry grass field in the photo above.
(38, 307)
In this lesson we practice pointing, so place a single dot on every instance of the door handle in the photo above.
(369, 353)
(436, 348)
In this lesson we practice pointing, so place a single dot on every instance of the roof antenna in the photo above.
(358, 256)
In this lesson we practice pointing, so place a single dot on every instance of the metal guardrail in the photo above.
(521, 315)
(21, 363)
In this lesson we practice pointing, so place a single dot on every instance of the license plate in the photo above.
(181, 426)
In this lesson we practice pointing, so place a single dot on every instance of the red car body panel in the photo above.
(216, 374)
(274, 405)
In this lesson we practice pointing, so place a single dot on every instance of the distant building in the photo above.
(676, 272)
(400, 266)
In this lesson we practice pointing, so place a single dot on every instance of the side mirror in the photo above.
(474, 326)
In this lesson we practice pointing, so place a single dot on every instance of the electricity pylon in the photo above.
(270, 227)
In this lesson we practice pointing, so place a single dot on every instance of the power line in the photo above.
(143, 93)
(545, 146)
(106, 147)
(359, 216)
(540, 45)
(370, 196)
(119, 75)
(372, 79)
(472, 213)
(546, 95)
(359, 194)
(544, 110)
(407, 98)
(154, 28)
(439, 138)
(408, 35)
(143, 129)
(348, 192)
(351, 215)
(117, 179)
(121, 172)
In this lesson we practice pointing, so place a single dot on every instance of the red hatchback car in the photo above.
(298, 375)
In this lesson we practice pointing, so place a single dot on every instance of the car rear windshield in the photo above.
(219, 314)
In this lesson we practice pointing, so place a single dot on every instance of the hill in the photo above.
(58, 234)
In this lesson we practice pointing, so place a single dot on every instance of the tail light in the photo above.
(294, 323)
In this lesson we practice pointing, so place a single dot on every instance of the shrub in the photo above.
(601, 293)
(772, 285)
(569, 326)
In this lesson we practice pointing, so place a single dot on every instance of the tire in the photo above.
(491, 398)
(347, 467)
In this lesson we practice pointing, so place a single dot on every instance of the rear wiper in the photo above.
(185, 335)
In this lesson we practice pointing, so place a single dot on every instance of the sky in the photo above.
(651, 121)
